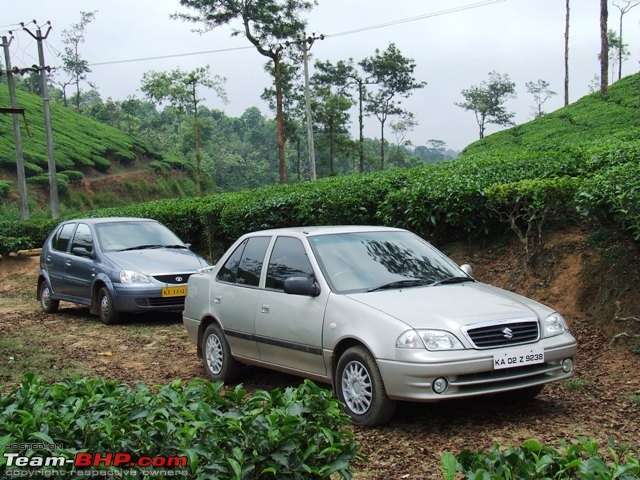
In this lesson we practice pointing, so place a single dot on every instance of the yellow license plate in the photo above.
(174, 291)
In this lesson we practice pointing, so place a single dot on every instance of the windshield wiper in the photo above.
(141, 247)
(175, 246)
(409, 282)
(452, 280)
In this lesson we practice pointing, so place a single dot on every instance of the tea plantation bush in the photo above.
(292, 434)
(580, 460)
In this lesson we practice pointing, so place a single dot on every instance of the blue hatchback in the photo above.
(115, 265)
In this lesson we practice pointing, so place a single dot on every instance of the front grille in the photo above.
(504, 334)
(174, 278)
(161, 302)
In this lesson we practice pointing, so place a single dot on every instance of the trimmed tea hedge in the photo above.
(292, 434)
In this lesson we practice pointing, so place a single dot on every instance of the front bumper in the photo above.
(145, 298)
(472, 373)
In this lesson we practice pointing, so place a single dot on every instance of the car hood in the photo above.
(450, 307)
(157, 260)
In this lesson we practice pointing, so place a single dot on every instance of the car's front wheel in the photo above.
(216, 356)
(45, 297)
(106, 309)
(360, 387)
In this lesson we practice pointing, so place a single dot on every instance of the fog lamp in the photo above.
(567, 365)
(440, 385)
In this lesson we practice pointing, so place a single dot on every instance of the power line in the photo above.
(439, 13)
(418, 17)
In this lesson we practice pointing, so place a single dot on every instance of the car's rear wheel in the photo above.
(360, 387)
(106, 310)
(216, 356)
(45, 297)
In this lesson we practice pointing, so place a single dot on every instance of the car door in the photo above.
(289, 327)
(56, 257)
(235, 293)
(79, 266)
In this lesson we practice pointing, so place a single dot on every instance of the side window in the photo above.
(83, 238)
(229, 270)
(288, 259)
(252, 260)
(61, 239)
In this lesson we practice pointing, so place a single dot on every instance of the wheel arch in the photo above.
(204, 323)
(341, 347)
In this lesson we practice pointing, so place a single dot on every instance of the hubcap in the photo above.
(45, 297)
(357, 388)
(104, 306)
(214, 354)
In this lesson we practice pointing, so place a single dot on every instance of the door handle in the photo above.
(265, 308)
(67, 262)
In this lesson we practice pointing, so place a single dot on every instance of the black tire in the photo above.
(47, 303)
(216, 356)
(360, 388)
(106, 310)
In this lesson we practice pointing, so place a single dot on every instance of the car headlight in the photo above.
(554, 325)
(131, 276)
(429, 339)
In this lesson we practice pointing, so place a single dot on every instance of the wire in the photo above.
(416, 18)
(348, 32)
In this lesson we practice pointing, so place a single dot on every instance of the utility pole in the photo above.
(305, 43)
(22, 183)
(53, 184)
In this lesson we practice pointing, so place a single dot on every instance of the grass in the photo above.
(577, 383)
(23, 352)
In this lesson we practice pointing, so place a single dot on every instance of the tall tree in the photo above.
(618, 52)
(566, 54)
(541, 93)
(393, 75)
(401, 128)
(267, 24)
(72, 63)
(604, 49)
(180, 89)
(623, 6)
(331, 117)
(346, 76)
(487, 101)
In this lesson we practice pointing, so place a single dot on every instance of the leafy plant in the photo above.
(580, 459)
(296, 433)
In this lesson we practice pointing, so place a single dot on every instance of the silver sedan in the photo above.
(378, 313)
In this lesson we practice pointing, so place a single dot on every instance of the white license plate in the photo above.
(518, 357)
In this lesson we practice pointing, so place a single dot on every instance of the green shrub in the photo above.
(296, 433)
(74, 176)
(582, 459)
(158, 166)
(5, 188)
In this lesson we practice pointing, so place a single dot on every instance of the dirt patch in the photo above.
(576, 277)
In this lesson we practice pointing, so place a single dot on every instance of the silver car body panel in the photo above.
(304, 335)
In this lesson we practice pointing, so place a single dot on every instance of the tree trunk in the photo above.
(604, 50)
(620, 50)
(361, 125)
(196, 129)
(280, 120)
(566, 56)
(381, 145)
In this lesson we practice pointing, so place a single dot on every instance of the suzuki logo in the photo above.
(178, 279)
(508, 333)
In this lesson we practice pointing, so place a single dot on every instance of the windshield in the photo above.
(370, 261)
(119, 236)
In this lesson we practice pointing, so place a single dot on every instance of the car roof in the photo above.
(97, 220)
(325, 230)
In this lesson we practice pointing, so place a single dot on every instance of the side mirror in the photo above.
(82, 252)
(301, 286)
(468, 269)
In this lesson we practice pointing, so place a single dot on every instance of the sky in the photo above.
(454, 43)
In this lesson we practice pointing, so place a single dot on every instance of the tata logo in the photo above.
(178, 279)
(508, 333)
